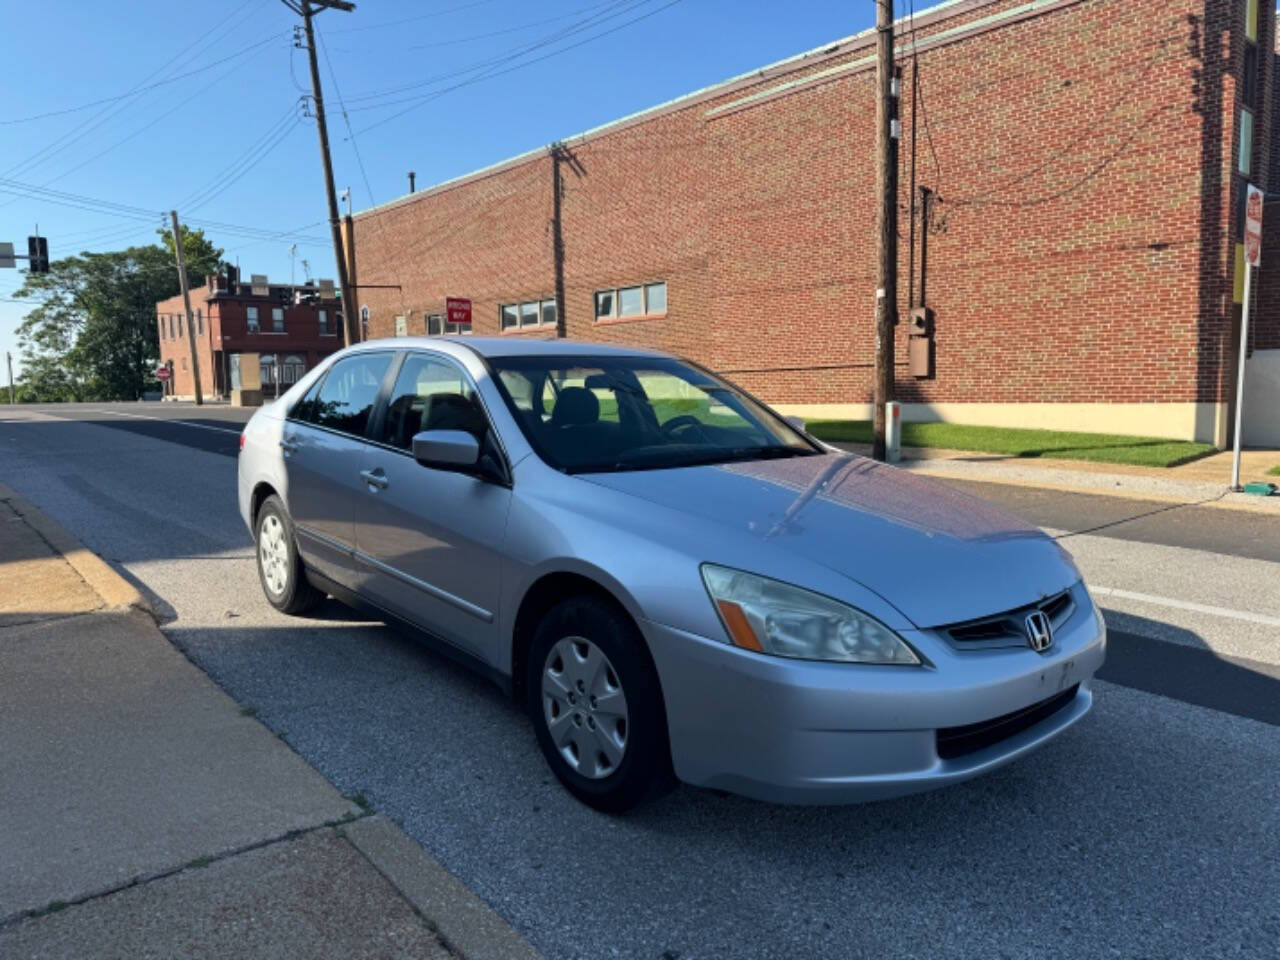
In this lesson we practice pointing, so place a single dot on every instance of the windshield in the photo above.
(595, 414)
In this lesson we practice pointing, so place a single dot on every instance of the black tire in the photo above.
(644, 771)
(296, 595)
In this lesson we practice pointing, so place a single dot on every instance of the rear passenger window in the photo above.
(347, 396)
(431, 393)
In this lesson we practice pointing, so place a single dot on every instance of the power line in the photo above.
(276, 134)
(82, 129)
(129, 212)
(423, 16)
(355, 148)
(502, 57)
(138, 90)
(454, 41)
(497, 73)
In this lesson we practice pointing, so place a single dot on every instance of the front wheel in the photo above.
(597, 707)
(279, 569)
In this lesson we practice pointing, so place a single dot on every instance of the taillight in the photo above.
(241, 439)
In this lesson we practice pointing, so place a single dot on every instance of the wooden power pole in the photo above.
(186, 303)
(306, 9)
(887, 218)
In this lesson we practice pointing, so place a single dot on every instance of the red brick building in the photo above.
(234, 319)
(1085, 159)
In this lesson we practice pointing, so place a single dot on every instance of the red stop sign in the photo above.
(163, 373)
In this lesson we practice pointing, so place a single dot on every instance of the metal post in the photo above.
(186, 302)
(8, 357)
(1244, 352)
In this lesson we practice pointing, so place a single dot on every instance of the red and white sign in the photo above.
(1253, 227)
(163, 373)
(458, 310)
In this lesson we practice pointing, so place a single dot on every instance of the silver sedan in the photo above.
(676, 581)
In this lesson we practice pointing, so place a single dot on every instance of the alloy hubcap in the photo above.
(584, 707)
(273, 555)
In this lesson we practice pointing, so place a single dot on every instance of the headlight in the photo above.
(769, 616)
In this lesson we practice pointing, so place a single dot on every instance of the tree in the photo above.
(200, 255)
(93, 337)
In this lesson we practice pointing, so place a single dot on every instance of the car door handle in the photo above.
(289, 446)
(375, 478)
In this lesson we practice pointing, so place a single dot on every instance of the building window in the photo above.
(435, 324)
(200, 322)
(251, 316)
(648, 300)
(162, 336)
(292, 369)
(277, 319)
(364, 323)
(1245, 161)
(323, 317)
(532, 314)
(184, 363)
(179, 326)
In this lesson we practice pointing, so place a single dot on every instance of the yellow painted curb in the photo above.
(114, 589)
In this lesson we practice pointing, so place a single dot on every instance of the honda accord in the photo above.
(676, 581)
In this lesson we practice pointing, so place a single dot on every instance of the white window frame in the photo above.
(251, 319)
(539, 321)
(615, 315)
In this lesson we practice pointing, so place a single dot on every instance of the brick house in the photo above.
(233, 319)
(1086, 161)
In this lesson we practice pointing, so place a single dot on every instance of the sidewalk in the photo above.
(142, 813)
(1206, 480)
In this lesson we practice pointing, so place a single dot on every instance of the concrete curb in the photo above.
(465, 924)
(1192, 497)
(114, 589)
(1049, 477)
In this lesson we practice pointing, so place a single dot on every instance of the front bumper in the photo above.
(795, 731)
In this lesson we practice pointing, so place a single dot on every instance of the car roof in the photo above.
(513, 346)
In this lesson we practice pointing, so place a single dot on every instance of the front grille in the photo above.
(1009, 629)
(956, 742)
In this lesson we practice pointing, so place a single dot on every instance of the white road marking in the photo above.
(143, 416)
(1186, 605)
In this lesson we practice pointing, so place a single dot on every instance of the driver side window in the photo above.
(431, 393)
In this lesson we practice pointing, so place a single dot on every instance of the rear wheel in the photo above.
(597, 707)
(279, 570)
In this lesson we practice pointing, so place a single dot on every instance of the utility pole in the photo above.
(887, 131)
(8, 358)
(186, 303)
(306, 9)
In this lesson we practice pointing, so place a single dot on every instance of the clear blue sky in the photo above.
(161, 147)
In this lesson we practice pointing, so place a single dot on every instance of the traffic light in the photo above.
(37, 254)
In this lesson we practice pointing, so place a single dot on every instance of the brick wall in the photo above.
(1080, 249)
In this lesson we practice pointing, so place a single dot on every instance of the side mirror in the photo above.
(796, 423)
(454, 450)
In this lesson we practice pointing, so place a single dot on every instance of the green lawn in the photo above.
(1049, 444)
(1274, 471)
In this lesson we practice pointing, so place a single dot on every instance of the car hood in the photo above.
(938, 555)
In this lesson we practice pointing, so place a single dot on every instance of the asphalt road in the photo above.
(1150, 830)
